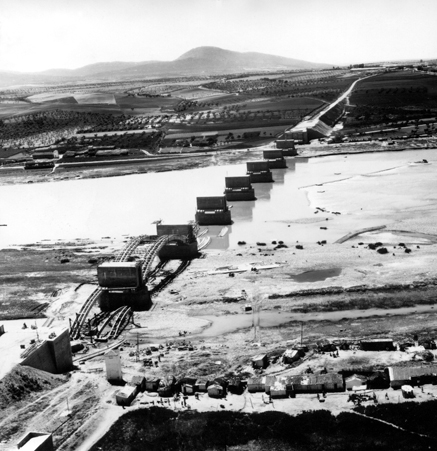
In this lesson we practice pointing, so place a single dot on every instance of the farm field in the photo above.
(393, 98)
(397, 89)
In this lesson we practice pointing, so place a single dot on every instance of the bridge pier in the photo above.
(259, 172)
(185, 249)
(137, 299)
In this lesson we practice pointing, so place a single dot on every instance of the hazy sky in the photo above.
(42, 34)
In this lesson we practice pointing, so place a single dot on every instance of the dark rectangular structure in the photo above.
(185, 249)
(382, 344)
(259, 171)
(239, 188)
(213, 211)
(120, 275)
(275, 158)
(186, 230)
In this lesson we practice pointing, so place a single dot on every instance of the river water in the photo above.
(119, 206)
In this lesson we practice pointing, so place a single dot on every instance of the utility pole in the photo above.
(301, 333)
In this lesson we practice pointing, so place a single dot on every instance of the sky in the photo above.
(36, 35)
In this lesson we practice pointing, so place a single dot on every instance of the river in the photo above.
(128, 205)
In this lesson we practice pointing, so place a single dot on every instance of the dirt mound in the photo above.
(24, 380)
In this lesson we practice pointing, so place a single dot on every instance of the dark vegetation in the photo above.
(161, 429)
(412, 416)
(22, 381)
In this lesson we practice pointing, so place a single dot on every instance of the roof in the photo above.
(406, 372)
(259, 357)
(315, 379)
(355, 377)
(255, 380)
(378, 340)
(118, 265)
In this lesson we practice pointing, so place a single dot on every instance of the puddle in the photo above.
(318, 275)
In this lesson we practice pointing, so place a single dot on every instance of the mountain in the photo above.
(198, 61)
(214, 60)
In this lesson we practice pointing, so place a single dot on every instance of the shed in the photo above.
(260, 361)
(290, 356)
(152, 383)
(355, 381)
(255, 384)
(215, 390)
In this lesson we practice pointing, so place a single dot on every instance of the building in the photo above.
(278, 389)
(201, 385)
(139, 382)
(239, 188)
(378, 344)
(412, 375)
(215, 390)
(36, 441)
(355, 381)
(152, 383)
(255, 384)
(269, 381)
(290, 356)
(213, 211)
(260, 361)
(113, 365)
(315, 383)
(166, 386)
(126, 395)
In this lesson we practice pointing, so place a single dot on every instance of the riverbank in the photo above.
(11, 176)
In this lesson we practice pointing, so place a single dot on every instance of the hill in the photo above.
(198, 61)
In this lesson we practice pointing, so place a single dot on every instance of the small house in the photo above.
(290, 356)
(187, 385)
(260, 361)
(126, 395)
(255, 384)
(152, 383)
(355, 381)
